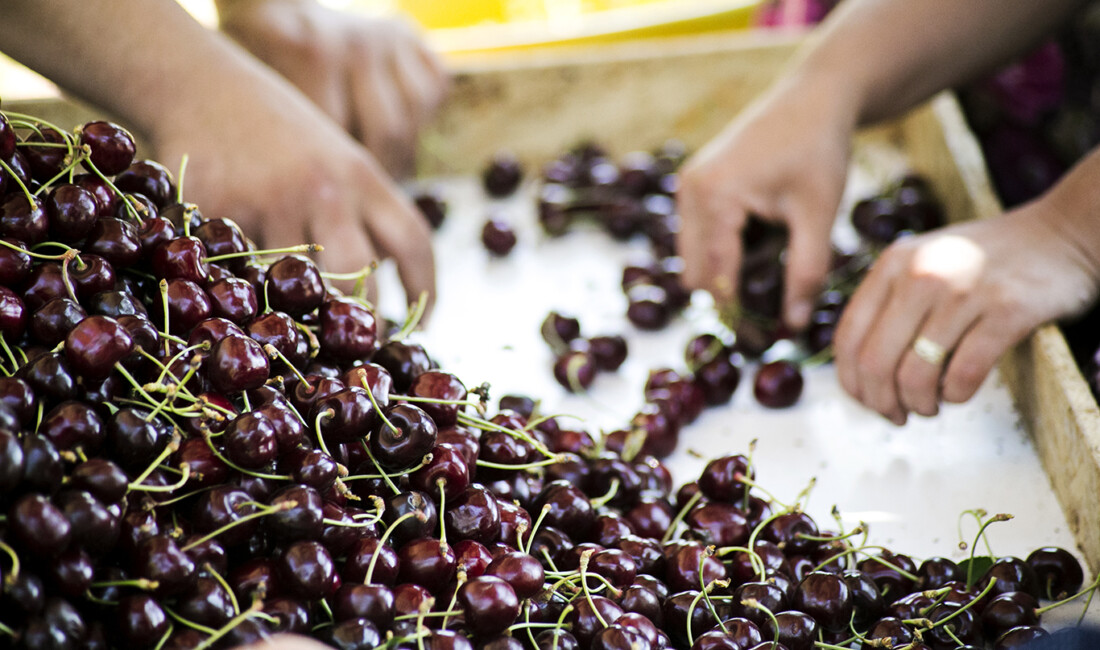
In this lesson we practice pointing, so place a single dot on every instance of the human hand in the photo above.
(784, 159)
(285, 642)
(976, 289)
(270, 160)
(373, 76)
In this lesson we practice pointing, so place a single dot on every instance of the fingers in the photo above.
(710, 238)
(347, 248)
(808, 258)
(977, 353)
(379, 117)
(399, 231)
(857, 321)
(919, 379)
(421, 79)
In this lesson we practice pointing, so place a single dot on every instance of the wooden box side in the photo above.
(1050, 392)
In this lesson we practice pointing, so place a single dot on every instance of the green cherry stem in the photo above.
(261, 511)
(13, 574)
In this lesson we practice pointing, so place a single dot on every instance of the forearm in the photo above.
(890, 55)
(149, 63)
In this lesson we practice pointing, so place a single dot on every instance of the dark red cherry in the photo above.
(432, 206)
(250, 440)
(15, 263)
(24, 219)
(13, 316)
(437, 385)
(96, 344)
(778, 384)
(71, 212)
(404, 360)
(489, 604)
(182, 257)
(73, 425)
(304, 520)
(140, 621)
(427, 562)
(91, 274)
(826, 597)
(648, 306)
(294, 285)
(575, 370)
(1013, 574)
(148, 178)
(1006, 611)
(1057, 570)
(608, 352)
(112, 147)
(348, 329)
(1023, 636)
(188, 305)
(721, 478)
(39, 525)
(115, 240)
(498, 236)
(158, 558)
(280, 331)
(206, 603)
(373, 602)
(307, 570)
(559, 331)
(7, 138)
(51, 377)
(232, 299)
(448, 471)
(403, 437)
(237, 363)
(359, 558)
(520, 570)
(221, 506)
(503, 175)
(475, 515)
(222, 237)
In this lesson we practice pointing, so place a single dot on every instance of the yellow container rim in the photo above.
(668, 18)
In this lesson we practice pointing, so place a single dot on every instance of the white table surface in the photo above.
(910, 484)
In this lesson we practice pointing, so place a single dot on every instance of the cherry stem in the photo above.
(326, 415)
(179, 188)
(707, 553)
(460, 579)
(358, 477)
(7, 351)
(680, 516)
(585, 557)
(1090, 590)
(353, 276)
(261, 511)
(13, 574)
(601, 501)
(289, 250)
(169, 449)
(274, 353)
(210, 443)
(166, 488)
(973, 548)
(415, 314)
(409, 617)
(539, 463)
(191, 624)
(127, 200)
(382, 541)
(233, 622)
(374, 461)
(6, 630)
(14, 176)
(225, 585)
(441, 484)
(527, 619)
(538, 522)
(561, 623)
(381, 415)
(486, 425)
(139, 583)
(968, 605)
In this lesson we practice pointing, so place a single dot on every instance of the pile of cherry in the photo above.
(202, 444)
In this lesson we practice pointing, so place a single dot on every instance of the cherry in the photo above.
(892, 584)
(50, 376)
(115, 304)
(556, 639)
(15, 265)
(432, 206)
(826, 597)
(649, 307)
(475, 515)
(148, 178)
(237, 363)
(91, 274)
(936, 572)
(96, 344)
(250, 440)
(134, 441)
(307, 570)
(498, 236)
(7, 138)
(188, 305)
(223, 505)
(370, 601)
(608, 352)
(294, 285)
(415, 527)
(1008, 610)
(412, 435)
(279, 330)
(1013, 574)
(359, 558)
(559, 330)
(866, 599)
(404, 360)
(212, 331)
(778, 384)
(159, 559)
(42, 468)
(569, 509)
(1020, 637)
(112, 147)
(24, 219)
(72, 425)
(348, 329)
(11, 462)
(39, 525)
(206, 603)
(115, 240)
(222, 237)
(718, 524)
(153, 233)
(427, 562)
(182, 257)
(302, 521)
(1057, 570)
(71, 212)
(721, 478)
(438, 385)
(520, 570)
(448, 467)
(503, 175)
(13, 317)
